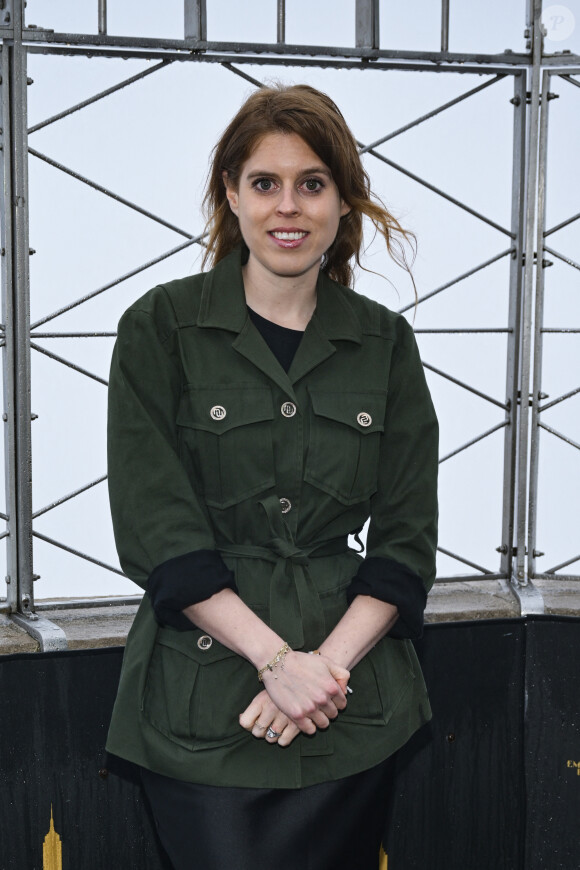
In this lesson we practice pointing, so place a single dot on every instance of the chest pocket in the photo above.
(345, 439)
(226, 441)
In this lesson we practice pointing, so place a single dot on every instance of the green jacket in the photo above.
(184, 476)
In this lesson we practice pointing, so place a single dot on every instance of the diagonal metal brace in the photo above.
(49, 636)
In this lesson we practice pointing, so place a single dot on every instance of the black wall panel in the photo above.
(459, 802)
(54, 711)
(552, 744)
(490, 783)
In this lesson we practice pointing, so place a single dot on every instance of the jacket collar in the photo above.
(223, 303)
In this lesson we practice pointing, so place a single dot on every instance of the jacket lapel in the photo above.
(223, 306)
(251, 345)
(333, 318)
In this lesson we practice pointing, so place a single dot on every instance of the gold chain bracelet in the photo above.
(277, 660)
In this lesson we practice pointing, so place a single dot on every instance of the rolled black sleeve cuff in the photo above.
(396, 584)
(185, 580)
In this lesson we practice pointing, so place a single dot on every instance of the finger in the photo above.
(340, 698)
(341, 675)
(259, 728)
(330, 710)
(305, 724)
(320, 719)
(276, 729)
(288, 734)
(251, 713)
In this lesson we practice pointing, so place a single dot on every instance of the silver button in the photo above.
(218, 412)
(364, 419)
(204, 642)
(285, 504)
(288, 409)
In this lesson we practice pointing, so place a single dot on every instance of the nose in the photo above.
(288, 201)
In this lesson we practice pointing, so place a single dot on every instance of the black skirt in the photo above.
(332, 826)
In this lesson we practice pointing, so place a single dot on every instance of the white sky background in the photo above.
(150, 143)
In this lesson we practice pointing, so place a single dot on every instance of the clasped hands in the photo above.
(302, 694)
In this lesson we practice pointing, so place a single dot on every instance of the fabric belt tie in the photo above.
(296, 612)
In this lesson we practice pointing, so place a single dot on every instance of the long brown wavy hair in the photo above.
(312, 115)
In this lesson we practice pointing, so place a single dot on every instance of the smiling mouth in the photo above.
(288, 236)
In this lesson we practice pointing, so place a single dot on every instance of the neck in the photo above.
(287, 301)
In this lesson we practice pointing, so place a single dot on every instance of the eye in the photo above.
(264, 185)
(313, 185)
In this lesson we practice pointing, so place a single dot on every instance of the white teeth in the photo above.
(289, 237)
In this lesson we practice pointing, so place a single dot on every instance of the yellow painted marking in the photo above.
(52, 848)
(383, 860)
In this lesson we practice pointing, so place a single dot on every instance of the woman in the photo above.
(259, 414)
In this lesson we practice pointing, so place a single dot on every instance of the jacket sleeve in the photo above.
(162, 530)
(402, 537)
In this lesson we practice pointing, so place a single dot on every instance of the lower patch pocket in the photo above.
(196, 689)
(379, 682)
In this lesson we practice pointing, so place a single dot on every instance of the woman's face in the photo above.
(288, 207)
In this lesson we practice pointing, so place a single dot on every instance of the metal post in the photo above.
(538, 323)
(102, 16)
(16, 309)
(514, 322)
(367, 23)
(195, 20)
(530, 601)
(444, 25)
(281, 32)
(17, 321)
(8, 416)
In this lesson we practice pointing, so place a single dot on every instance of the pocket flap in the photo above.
(195, 645)
(364, 411)
(219, 409)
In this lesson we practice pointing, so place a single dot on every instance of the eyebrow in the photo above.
(313, 170)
